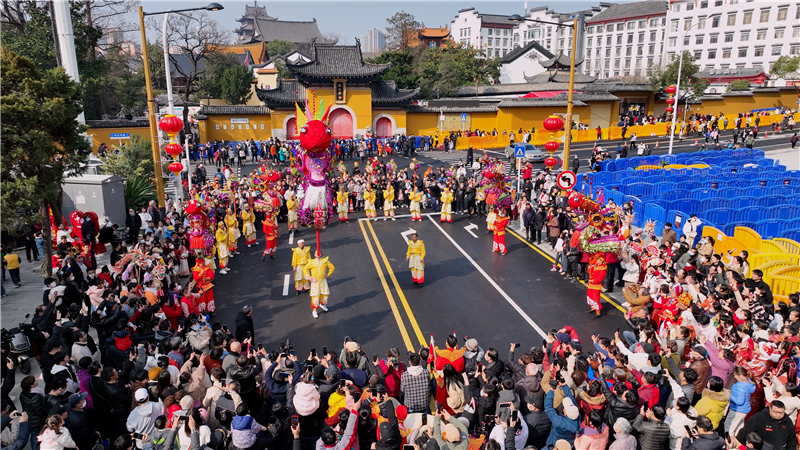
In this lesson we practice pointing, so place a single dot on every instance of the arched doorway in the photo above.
(291, 129)
(341, 124)
(384, 127)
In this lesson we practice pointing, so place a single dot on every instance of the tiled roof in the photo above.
(496, 19)
(560, 61)
(387, 92)
(730, 73)
(510, 89)
(337, 61)
(776, 89)
(711, 97)
(626, 10)
(452, 109)
(435, 33)
(558, 76)
(118, 123)
(738, 94)
(519, 51)
(206, 110)
(282, 30)
(286, 92)
(537, 102)
(604, 86)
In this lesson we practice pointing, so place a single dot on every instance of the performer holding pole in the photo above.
(300, 257)
(222, 248)
(416, 200)
(342, 198)
(447, 206)
(317, 271)
(369, 203)
(416, 259)
(500, 225)
(291, 214)
(388, 201)
(249, 226)
(233, 232)
(271, 235)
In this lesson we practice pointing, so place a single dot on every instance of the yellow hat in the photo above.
(153, 373)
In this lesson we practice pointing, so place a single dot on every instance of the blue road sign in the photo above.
(463, 117)
(519, 151)
(120, 135)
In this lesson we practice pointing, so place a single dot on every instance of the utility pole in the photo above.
(66, 42)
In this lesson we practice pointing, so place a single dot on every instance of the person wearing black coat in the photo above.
(707, 438)
(620, 406)
(87, 231)
(539, 220)
(528, 219)
(133, 224)
(118, 398)
(79, 424)
(244, 324)
(390, 438)
(773, 425)
(33, 403)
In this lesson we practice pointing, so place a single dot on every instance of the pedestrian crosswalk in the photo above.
(448, 159)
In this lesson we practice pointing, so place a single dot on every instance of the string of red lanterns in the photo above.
(172, 125)
(671, 90)
(553, 124)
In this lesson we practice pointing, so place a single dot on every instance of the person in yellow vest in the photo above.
(233, 233)
(500, 224)
(12, 262)
(249, 226)
(222, 247)
(416, 201)
(342, 198)
(317, 272)
(300, 257)
(388, 202)
(447, 206)
(291, 215)
(490, 219)
(369, 203)
(416, 259)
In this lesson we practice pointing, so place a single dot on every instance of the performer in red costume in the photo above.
(271, 235)
(203, 275)
(597, 273)
(500, 225)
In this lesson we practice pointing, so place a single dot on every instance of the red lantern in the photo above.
(671, 90)
(170, 124)
(670, 109)
(175, 167)
(670, 101)
(550, 162)
(173, 149)
(553, 124)
(551, 146)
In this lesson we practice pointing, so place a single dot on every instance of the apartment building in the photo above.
(493, 33)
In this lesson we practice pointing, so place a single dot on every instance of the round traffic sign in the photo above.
(567, 179)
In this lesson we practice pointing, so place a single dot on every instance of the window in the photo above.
(686, 40)
(712, 54)
(764, 17)
(762, 34)
(490, 31)
(225, 126)
(759, 52)
(687, 23)
(496, 53)
(728, 37)
(627, 63)
(262, 126)
(617, 51)
(605, 65)
(797, 14)
(643, 23)
(247, 126)
(616, 64)
(505, 32)
(589, 42)
(505, 42)
(726, 53)
(610, 28)
(651, 50)
(689, 6)
(713, 39)
(537, 33)
(619, 39)
(699, 39)
(796, 32)
(776, 50)
(641, 37)
(745, 36)
(782, 12)
(505, 51)
(589, 30)
(731, 19)
(673, 26)
(701, 23)
(698, 54)
(652, 36)
(549, 31)
(718, 3)
(217, 126)
(631, 25)
(779, 33)
(630, 39)
(639, 51)
(489, 42)
(742, 52)
(608, 52)
(676, 7)
(672, 42)
(794, 50)
(748, 18)
(597, 52)
(653, 22)
(715, 22)
(628, 51)
(240, 126)
(704, 4)
(561, 43)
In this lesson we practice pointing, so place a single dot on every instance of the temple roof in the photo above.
(287, 92)
(538, 102)
(302, 32)
(435, 33)
(251, 12)
(387, 92)
(337, 61)
(558, 76)
(519, 51)
(560, 61)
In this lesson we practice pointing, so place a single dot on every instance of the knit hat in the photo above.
(623, 426)
(451, 433)
(153, 373)
(351, 346)
(471, 344)
(186, 402)
(562, 444)
(570, 410)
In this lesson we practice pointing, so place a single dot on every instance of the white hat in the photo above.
(141, 395)
(301, 241)
(570, 410)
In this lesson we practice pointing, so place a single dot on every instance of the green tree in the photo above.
(41, 138)
(283, 72)
(443, 70)
(135, 159)
(401, 24)
(402, 71)
(139, 190)
(210, 85)
(660, 77)
(278, 48)
(236, 84)
(785, 65)
(739, 85)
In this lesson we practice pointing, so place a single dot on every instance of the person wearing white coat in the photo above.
(54, 436)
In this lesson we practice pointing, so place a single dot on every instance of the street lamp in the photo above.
(568, 124)
(678, 84)
(151, 107)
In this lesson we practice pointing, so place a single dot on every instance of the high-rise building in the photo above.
(374, 41)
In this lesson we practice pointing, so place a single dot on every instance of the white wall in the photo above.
(515, 71)
(624, 47)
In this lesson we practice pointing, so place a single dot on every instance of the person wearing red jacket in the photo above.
(271, 235)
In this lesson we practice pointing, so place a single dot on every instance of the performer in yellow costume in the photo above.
(291, 215)
(249, 226)
(388, 202)
(490, 218)
(233, 232)
(222, 248)
(447, 206)
(341, 204)
(300, 257)
(317, 271)
(369, 203)
(416, 201)
(416, 259)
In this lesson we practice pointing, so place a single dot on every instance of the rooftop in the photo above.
(629, 10)
(538, 102)
(558, 76)
(387, 92)
(337, 61)
(519, 51)
(560, 61)
(206, 111)
(287, 92)
(303, 32)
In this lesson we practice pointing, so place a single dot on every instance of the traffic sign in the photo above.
(519, 151)
(463, 117)
(120, 135)
(567, 180)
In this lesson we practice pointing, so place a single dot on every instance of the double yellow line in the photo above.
(400, 295)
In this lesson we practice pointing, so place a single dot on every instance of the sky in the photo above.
(352, 19)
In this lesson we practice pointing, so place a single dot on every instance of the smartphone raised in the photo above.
(514, 415)
(295, 421)
(424, 419)
(260, 347)
(324, 350)
(342, 384)
(347, 338)
(439, 408)
(138, 436)
(313, 352)
(408, 447)
(374, 357)
(504, 405)
(517, 345)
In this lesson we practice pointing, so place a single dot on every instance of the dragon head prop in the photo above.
(312, 126)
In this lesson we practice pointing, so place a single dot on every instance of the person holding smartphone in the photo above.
(24, 428)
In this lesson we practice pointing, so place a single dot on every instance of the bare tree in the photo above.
(196, 36)
(13, 12)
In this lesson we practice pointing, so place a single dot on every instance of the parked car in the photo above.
(532, 154)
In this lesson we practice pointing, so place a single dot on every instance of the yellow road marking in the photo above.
(397, 287)
(392, 304)
(549, 258)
